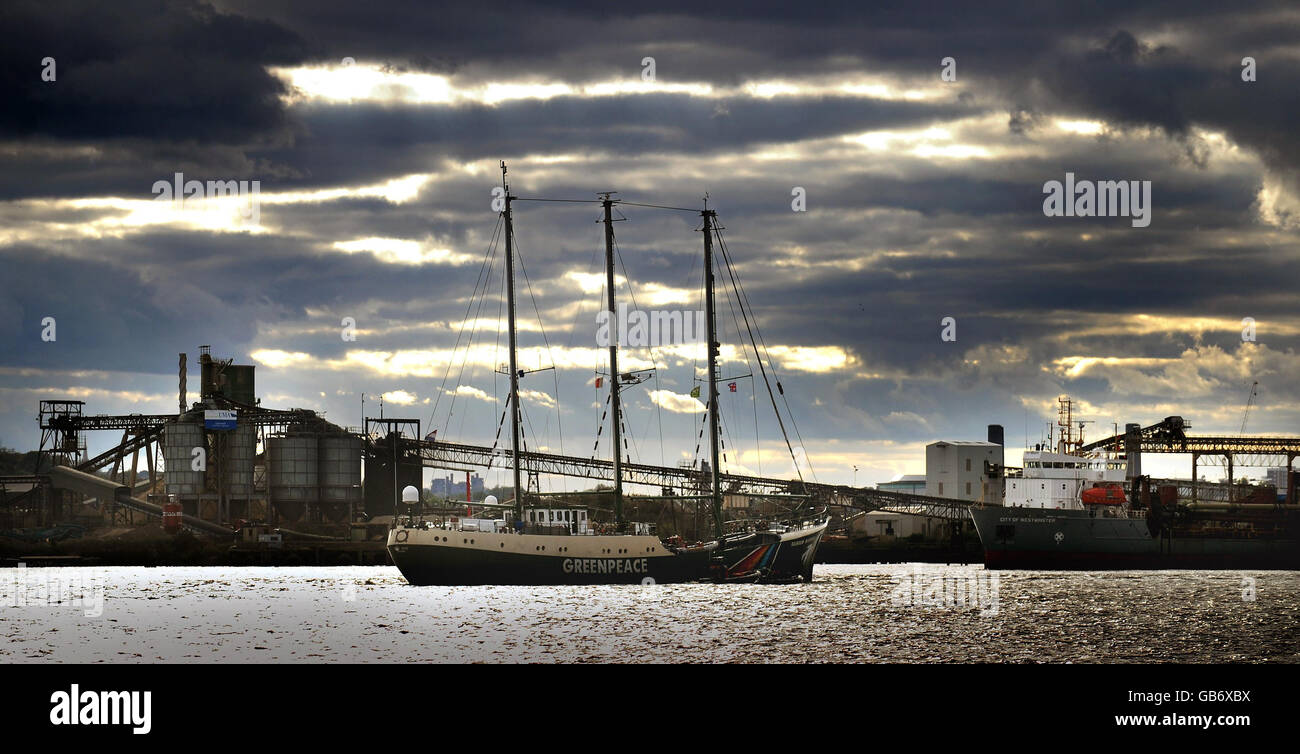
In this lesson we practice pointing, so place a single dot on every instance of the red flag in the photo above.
(599, 382)
(731, 386)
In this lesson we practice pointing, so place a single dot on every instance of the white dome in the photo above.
(410, 494)
(490, 500)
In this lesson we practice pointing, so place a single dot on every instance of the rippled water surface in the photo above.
(869, 613)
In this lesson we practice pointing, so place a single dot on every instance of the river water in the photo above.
(850, 613)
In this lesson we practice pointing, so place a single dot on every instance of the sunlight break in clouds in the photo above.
(403, 251)
(676, 403)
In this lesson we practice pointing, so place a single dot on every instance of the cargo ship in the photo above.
(532, 544)
(1068, 511)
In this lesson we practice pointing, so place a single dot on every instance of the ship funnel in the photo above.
(996, 434)
(1133, 450)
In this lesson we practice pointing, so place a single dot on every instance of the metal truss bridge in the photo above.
(1170, 436)
(691, 481)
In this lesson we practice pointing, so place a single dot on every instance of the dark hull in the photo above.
(766, 557)
(428, 565)
(1046, 539)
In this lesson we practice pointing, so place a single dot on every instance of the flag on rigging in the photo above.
(695, 392)
(599, 381)
(731, 386)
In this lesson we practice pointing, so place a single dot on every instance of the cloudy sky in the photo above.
(375, 132)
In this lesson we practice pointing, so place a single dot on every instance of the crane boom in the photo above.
(1250, 401)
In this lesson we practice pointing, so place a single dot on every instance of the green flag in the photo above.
(695, 392)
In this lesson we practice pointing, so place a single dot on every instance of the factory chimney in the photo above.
(182, 385)
(996, 434)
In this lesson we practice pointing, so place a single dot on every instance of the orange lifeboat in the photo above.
(1111, 494)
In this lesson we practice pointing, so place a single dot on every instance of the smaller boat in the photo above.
(769, 553)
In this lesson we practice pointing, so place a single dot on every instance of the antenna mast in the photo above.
(713, 347)
(616, 421)
(514, 365)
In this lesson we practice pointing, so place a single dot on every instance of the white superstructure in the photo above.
(1057, 480)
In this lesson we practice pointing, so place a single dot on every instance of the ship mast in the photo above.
(514, 365)
(616, 421)
(713, 345)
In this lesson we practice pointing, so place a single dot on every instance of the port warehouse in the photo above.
(304, 488)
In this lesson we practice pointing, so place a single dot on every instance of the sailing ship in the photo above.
(543, 545)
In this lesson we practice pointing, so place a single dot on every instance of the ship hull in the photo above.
(769, 557)
(1054, 539)
(428, 557)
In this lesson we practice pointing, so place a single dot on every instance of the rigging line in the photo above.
(496, 343)
(758, 443)
(731, 305)
(695, 361)
(475, 317)
(747, 306)
(559, 410)
(762, 370)
(528, 420)
(546, 342)
(569, 201)
(469, 343)
(726, 426)
(694, 210)
(659, 419)
(629, 438)
(618, 254)
(474, 333)
(487, 254)
(536, 309)
(600, 425)
(785, 400)
(654, 359)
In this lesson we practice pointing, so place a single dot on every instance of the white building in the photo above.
(910, 483)
(900, 525)
(957, 470)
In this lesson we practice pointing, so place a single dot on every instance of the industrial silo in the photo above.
(340, 475)
(180, 438)
(241, 446)
(294, 473)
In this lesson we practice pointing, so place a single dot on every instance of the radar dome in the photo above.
(490, 500)
(410, 494)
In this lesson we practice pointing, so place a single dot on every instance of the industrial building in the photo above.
(454, 488)
(912, 484)
(307, 470)
(965, 470)
(962, 470)
(1278, 478)
(224, 460)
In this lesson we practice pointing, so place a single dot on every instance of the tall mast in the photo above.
(514, 365)
(709, 217)
(613, 364)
